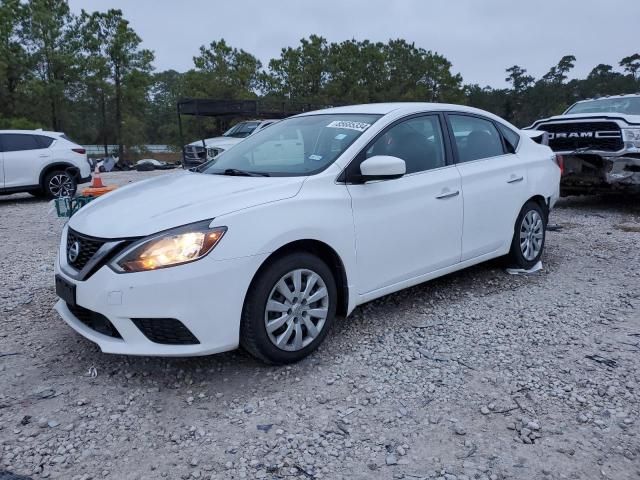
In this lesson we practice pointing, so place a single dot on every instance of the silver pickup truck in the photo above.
(599, 141)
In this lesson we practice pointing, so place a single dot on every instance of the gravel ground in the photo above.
(476, 375)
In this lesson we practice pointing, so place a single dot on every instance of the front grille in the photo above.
(603, 136)
(94, 320)
(87, 248)
(167, 331)
(193, 152)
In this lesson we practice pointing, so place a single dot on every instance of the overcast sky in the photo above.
(480, 37)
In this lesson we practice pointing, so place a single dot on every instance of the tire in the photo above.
(294, 326)
(59, 183)
(532, 225)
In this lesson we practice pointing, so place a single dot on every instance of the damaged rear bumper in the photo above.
(587, 173)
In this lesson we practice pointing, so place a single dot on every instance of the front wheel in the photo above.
(289, 309)
(528, 236)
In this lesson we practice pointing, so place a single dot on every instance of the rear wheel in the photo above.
(59, 184)
(528, 236)
(289, 309)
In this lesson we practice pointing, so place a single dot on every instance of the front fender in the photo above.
(320, 212)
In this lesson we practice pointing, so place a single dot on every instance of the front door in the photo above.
(24, 156)
(410, 226)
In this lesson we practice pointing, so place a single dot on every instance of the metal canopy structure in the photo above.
(249, 109)
(207, 107)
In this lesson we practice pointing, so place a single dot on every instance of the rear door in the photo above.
(494, 184)
(24, 156)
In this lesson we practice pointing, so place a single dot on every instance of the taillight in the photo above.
(560, 162)
(79, 150)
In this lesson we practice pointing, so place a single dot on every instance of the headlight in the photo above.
(167, 249)
(632, 136)
(214, 152)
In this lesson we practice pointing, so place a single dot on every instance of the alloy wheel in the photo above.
(61, 185)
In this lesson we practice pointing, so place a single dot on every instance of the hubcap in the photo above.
(296, 310)
(531, 235)
(61, 185)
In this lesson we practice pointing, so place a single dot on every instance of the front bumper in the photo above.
(206, 296)
(598, 173)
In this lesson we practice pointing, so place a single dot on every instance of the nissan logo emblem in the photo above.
(74, 251)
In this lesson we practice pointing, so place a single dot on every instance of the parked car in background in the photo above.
(148, 164)
(311, 217)
(42, 163)
(599, 140)
(196, 153)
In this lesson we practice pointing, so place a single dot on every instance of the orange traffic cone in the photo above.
(96, 181)
(97, 188)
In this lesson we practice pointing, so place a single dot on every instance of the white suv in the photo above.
(42, 163)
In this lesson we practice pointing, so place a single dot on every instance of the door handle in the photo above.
(515, 179)
(444, 195)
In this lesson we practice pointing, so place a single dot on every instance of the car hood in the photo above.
(172, 200)
(631, 119)
(222, 142)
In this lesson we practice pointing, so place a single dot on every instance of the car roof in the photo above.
(260, 121)
(405, 108)
(610, 97)
(37, 132)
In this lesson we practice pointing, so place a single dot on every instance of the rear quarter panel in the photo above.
(543, 172)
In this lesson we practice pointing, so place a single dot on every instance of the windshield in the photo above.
(297, 146)
(241, 130)
(628, 105)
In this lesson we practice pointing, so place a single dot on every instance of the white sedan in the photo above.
(299, 223)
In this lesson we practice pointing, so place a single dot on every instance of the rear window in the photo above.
(44, 142)
(15, 142)
(476, 138)
(511, 137)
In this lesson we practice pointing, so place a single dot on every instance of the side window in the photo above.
(44, 142)
(14, 142)
(418, 141)
(475, 138)
(511, 138)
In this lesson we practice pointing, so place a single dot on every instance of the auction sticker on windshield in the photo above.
(358, 126)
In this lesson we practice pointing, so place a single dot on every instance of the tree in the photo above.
(301, 73)
(52, 48)
(227, 72)
(519, 79)
(166, 89)
(110, 37)
(96, 72)
(14, 68)
(558, 74)
(631, 64)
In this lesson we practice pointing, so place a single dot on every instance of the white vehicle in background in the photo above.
(42, 163)
(599, 142)
(307, 219)
(195, 153)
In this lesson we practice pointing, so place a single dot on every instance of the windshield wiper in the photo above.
(243, 173)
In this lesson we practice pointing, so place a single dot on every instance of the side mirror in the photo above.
(382, 167)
